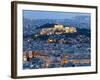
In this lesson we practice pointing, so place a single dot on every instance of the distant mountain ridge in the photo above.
(77, 22)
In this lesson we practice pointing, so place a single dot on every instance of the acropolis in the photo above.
(58, 29)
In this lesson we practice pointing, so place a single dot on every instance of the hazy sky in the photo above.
(33, 14)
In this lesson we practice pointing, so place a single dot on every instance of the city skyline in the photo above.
(53, 39)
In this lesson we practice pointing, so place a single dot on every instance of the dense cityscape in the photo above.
(57, 47)
(54, 42)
